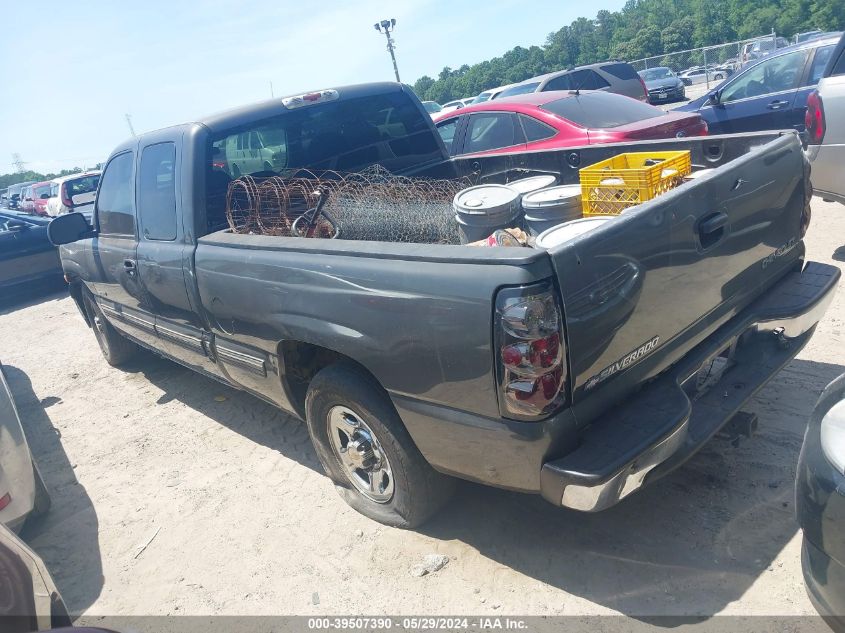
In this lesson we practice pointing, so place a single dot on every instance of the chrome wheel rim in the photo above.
(360, 454)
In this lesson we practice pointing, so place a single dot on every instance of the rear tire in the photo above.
(404, 490)
(116, 348)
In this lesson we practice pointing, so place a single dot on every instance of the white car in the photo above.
(73, 193)
(825, 120)
(487, 95)
(457, 104)
(698, 75)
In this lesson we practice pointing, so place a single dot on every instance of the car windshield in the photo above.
(601, 110)
(521, 89)
(484, 96)
(431, 107)
(656, 73)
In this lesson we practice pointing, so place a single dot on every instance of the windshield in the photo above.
(653, 74)
(484, 96)
(521, 89)
(601, 110)
(431, 107)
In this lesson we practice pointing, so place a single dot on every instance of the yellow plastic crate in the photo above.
(615, 184)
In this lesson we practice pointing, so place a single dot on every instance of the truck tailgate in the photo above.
(641, 291)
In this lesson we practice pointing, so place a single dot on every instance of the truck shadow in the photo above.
(67, 537)
(241, 412)
(685, 547)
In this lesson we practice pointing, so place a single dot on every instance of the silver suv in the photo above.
(617, 77)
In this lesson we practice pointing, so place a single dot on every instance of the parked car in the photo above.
(14, 193)
(77, 191)
(617, 77)
(40, 196)
(770, 94)
(820, 504)
(662, 85)
(554, 120)
(487, 95)
(700, 75)
(4, 198)
(31, 601)
(27, 258)
(432, 107)
(807, 35)
(27, 205)
(367, 339)
(762, 47)
(22, 490)
(451, 106)
(825, 121)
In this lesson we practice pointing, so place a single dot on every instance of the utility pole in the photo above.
(18, 162)
(389, 26)
(129, 123)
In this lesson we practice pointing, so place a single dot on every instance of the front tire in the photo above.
(116, 348)
(367, 451)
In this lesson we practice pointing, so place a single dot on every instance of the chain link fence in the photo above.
(706, 67)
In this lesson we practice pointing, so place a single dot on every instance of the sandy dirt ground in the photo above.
(173, 494)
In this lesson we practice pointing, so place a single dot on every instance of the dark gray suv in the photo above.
(617, 77)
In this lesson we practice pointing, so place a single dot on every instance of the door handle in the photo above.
(713, 223)
(777, 105)
(129, 267)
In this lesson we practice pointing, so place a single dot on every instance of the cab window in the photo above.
(447, 131)
(115, 208)
(157, 191)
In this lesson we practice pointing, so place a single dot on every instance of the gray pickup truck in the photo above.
(582, 372)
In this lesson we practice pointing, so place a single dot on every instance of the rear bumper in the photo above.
(662, 426)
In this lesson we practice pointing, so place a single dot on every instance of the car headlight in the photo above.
(833, 436)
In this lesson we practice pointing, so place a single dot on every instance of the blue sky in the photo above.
(76, 69)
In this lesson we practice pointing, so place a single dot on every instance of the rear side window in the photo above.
(535, 130)
(564, 82)
(839, 64)
(157, 191)
(820, 60)
(491, 131)
(620, 71)
(80, 186)
(588, 80)
(115, 208)
(601, 110)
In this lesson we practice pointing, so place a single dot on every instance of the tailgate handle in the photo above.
(711, 228)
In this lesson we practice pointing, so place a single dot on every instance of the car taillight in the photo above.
(65, 200)
(814, 118)
(531, 359)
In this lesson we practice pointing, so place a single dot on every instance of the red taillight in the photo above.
(63, 193)
(531, 360)
(705, 130)
(814, 118)
(5, 500)
(645, 90)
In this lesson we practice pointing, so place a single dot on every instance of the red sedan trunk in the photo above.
(670, 125)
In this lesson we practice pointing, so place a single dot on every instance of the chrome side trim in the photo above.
(180, 337)
(247, 361)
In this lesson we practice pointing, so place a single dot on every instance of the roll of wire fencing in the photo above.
(369, 205)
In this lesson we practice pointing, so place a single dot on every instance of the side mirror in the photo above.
(68, 228)
(16, 225)
(715, 97)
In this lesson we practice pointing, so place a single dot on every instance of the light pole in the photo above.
(388, 26)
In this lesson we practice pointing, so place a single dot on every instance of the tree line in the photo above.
(6, 180)
(642, 28)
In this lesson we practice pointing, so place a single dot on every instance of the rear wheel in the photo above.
(719, 77)
(116, 348)
(367, 451)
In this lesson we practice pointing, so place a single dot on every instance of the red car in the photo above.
(552, 120)
(40, 195)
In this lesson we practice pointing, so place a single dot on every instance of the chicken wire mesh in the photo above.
(369, 205)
